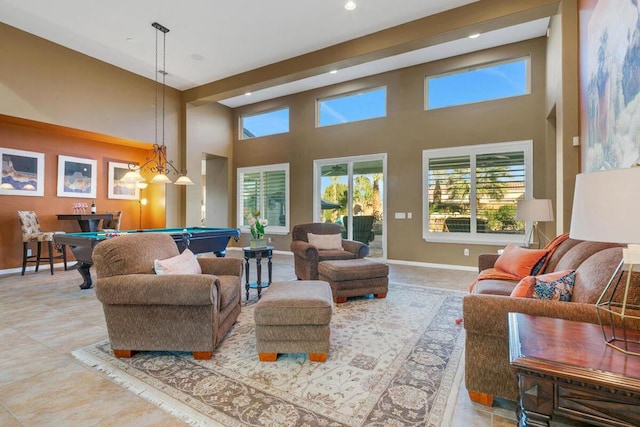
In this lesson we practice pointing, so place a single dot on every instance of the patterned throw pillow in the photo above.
(185, 263)
(557, 286)
(556, 290)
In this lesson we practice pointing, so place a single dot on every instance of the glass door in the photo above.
(350, 192)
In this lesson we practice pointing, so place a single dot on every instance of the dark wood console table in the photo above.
(565, 368)
(87, 222)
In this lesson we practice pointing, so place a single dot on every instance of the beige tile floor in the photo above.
(43, 318)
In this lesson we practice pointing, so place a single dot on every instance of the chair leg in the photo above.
(51, 255)
(481, 398)
(125, 354)
(39, 253)
(24, 256)
(202, 355)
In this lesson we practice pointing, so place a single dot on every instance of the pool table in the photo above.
(197, 239)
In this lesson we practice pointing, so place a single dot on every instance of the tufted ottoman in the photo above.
(294, 317)
(355, 277)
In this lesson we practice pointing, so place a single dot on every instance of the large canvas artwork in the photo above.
(77, 177)
(22, 173)
(610, 68)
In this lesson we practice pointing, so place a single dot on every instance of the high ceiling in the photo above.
(209, 40)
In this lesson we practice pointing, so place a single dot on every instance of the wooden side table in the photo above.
(258, 254)
(566, 368)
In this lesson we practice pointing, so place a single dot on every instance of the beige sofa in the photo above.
(487, 369)
(173, 312)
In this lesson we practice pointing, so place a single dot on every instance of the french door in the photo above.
(350, 191)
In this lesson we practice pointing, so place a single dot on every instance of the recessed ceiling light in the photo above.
(333, 71)
(474, 36)
(350, 5)
(247, 94)
(197, 57)
(131, 40)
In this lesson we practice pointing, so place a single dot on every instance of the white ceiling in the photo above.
(210, 40)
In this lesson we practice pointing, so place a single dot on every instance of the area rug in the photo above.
(392, 362)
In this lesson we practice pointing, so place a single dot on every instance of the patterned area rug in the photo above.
(392, 362)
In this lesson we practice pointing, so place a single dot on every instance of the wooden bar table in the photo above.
(566, 368)
(87, 222)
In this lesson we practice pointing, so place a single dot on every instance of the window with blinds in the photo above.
(471, 193)
(264, 189)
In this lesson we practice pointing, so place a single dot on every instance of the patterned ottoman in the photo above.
(294, 317)
(355, 277)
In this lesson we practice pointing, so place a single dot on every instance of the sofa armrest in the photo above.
(221, 266)
(487, 314)
(305, 250)
(359, 249)
(152, 289)
(486, 261)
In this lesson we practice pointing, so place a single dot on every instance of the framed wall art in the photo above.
(22, 173)
(77, 177)
(118, 189)
(610, 84)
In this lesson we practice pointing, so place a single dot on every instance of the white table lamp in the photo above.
(606, 208)
(535, 210)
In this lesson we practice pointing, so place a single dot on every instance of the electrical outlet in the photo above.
(28, 252)
(466, 251)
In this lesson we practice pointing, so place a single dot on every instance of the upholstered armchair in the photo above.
(306, 256)
(170, 312)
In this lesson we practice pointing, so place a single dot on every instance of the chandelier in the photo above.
(157, 163)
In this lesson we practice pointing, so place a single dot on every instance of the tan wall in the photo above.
(562, 101)
(43, 81)
(209, 136)
(403, 134)
(53, 141)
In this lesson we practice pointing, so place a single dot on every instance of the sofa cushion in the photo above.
(557, 285)
(332, 254)
(326, 241)
(494, 287)
(185, 263)
(519, 261)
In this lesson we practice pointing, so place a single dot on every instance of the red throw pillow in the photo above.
(519, 261)
(557, 285)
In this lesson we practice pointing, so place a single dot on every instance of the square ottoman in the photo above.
(294, 317)
(355, 277)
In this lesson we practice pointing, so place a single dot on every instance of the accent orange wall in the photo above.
(54, 140)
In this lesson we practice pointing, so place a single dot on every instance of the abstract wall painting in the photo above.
(77, 177)
(118, 189)
(610, 83)
(22, 173)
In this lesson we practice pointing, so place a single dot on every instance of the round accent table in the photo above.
(258, 254)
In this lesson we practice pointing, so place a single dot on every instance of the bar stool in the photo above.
(113, 223)
(31, 232)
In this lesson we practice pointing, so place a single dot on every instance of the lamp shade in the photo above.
(606, 206)
(534, 210)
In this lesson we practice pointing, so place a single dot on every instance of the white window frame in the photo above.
(473, 151)
(273, 110)
(526, 58)
(270, 229)
(348, 94)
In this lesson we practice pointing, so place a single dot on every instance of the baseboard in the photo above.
(433, 265)
(43, 266)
